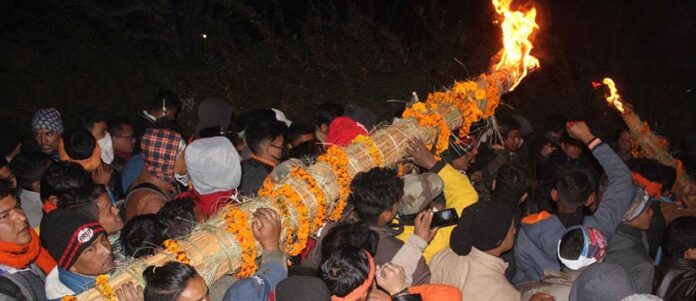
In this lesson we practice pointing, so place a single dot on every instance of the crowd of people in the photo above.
(556, 215)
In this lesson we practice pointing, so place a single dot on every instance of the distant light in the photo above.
(689, 91)
(205, 36)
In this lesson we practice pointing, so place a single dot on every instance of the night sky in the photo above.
(293, 54)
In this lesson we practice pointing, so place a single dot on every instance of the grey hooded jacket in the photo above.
(535, 248)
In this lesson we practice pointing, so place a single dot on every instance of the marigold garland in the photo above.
(68, 298)
(294, 200)
(337, 159)
(371, 147)
(173, 247)
(468, 98)
(103, 286)
(425, 116)
(318, 194)
(267, 190)
(238, 225)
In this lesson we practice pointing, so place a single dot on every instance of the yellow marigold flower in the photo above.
(480, 94)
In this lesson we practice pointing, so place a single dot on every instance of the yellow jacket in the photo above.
(459, 194)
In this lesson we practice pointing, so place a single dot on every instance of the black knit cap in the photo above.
(483, 225)
(66, 234)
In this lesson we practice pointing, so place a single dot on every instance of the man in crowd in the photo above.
(47, 126)
(375, 195)
(215, 171)
(60, 179)
(23, 261)
(29, 168)
(92, 201)
(123, 138)
(163, 151)
(82, 250)
(473, 260)
(675, 277)
(164, 105)
(6, 172)
(265, 137)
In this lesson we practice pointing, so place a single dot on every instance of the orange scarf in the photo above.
(363, 288)
(21, 256)
(654, 189)
(90, 164)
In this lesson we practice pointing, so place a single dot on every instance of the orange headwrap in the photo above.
(363, 288)
(654, 189)
(21, 256)
(90, 164)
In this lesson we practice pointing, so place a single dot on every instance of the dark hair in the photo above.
(358, 235)
(654, 171)
(506, 125)
(374, 192)
(82, 201)
(574, 187)
(61, 177)
(3, 161)
(167, 282)
(141, 236)
(116, 126)
(566, 139)
(176, 218)
(6, 189)
(571, 244)
(511, 182)
(680, 236)
(345, 270)
(327, 112)
(168, 98)
(261, 130)
(29, 167)
(92, 116)
(79, 144)
(298, 129)
(307, 151)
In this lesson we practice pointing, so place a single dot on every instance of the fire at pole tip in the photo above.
(613, 97)
(517, 27)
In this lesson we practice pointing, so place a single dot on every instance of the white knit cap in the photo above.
(213, 165)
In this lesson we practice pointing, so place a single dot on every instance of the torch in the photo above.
(649, 145)
(311, 195)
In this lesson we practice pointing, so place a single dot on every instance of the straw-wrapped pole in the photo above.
(214, 252)
(651, 148)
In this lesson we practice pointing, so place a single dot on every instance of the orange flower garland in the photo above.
(238, 225)
(371, 148)
(292, 198)
(68, 298)
(173, 247)
(338, 160)
(429, 118)
(318, 195)
(103, 286)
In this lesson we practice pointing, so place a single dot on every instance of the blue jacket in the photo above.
(537, 239)
(260, 286)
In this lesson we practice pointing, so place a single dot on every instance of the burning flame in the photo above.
(613, 98)
(517, 26)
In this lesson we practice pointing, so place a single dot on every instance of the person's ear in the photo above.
(493, 185)
(554, 195)
(590, 199)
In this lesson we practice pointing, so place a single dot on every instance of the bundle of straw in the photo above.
(214, 252)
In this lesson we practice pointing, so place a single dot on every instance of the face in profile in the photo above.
(14, 227)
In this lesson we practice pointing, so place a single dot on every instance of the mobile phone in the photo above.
(444, 218)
